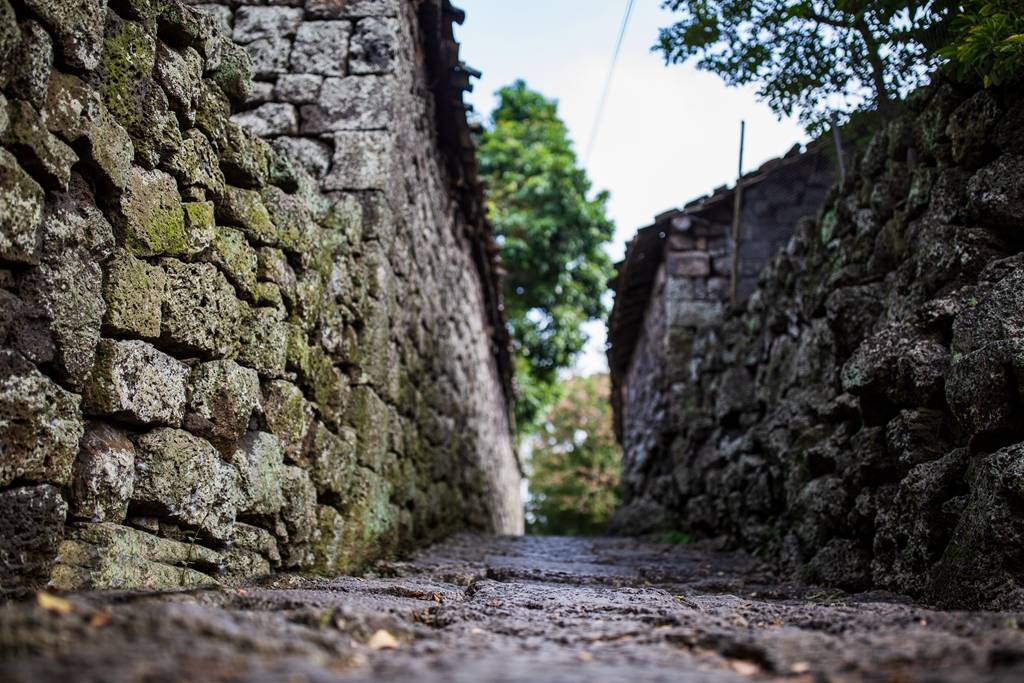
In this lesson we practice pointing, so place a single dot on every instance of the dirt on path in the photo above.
(531, 609)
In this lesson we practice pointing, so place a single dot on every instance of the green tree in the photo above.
(552, 230)
(813, 56)
(988, 41)
(574, 462)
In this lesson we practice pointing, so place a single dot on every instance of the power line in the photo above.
(608, 82)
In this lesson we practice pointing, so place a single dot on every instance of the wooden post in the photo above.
(839, 150)
(736, 211)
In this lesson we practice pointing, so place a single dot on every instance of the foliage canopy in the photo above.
(574, 462)
(552, 234)
(813, 56)
(988, 41)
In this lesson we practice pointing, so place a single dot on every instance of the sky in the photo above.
(669, 134)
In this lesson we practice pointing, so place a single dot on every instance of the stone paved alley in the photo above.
(511, 609)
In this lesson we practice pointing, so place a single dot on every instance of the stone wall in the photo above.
(222, 356)
(675, 283)
(860, 419)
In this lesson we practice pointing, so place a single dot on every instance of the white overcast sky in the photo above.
(669, 133)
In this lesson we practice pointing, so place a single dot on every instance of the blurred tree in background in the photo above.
(552, 234)
(574, 462)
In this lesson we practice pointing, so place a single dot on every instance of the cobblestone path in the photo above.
(511, 609)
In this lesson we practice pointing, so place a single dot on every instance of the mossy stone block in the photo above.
(151, 221)
(21, 211)
(134, 291)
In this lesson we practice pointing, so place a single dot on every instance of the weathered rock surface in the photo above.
(104, 475)
(134, 382)
(481, 609)
(226, 333)
(40, 424)
(184, 478)
(884, 345)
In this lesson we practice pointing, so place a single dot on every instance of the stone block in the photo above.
(256, 539)
(221, 16)
(75, 111)
(150, 221)
(269, 56)
(200, 226)
(133, 291)
(970, 128)
(298, 88)
(33, 64)
(900, 364)
(689, 264)
(264, 339)
(693, 313)
(262, 91)
(21, 211)
(196, 164)
(269, 294)
(362, 161)
(133, 96)
(253, 23)
(10, 37)
(184, 478)
(290, 213)
(367, 413)
(351, 9)
(234, 72)
(231, 252)
(222, 396)
(332, 460)
(40, 424)
(997, 193)
(180, 74)
(260, 462)
(321, 47)
(331, 545)
(270, 119)
(351, 103)
(31, 528)
(134, 382)
(104, 475)
(273, 266)
(200, 312)
(110, 556)
(63, 295)
(43, 154)
(313, 156)
(244, 157)
(245, 210)
(289, 417)
(374, 46)
(77, 26)
(370, 518)
(298, 517)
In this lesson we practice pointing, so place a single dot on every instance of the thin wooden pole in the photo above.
(839, 150)
(736, 211)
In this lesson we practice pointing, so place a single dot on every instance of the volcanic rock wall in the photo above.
(861, 419)
(220, 356)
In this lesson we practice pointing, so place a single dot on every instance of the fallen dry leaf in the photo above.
(744, 668)
(100, 619)
(800, 668)
(382, 640)
(53, 603)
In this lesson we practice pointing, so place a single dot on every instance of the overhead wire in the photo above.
(599, 113)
